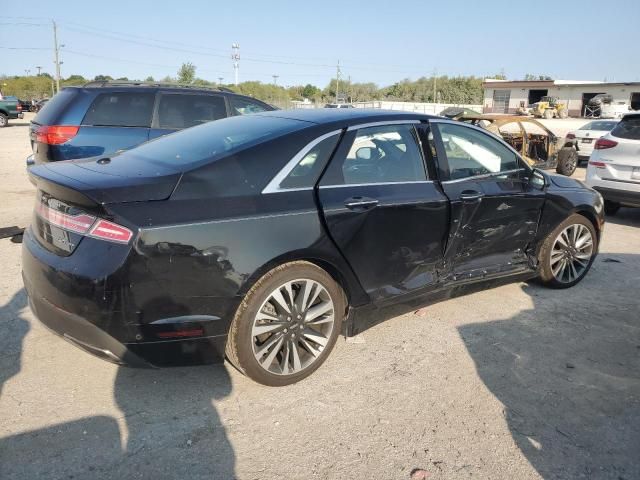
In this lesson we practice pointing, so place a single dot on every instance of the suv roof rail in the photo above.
(116, 83)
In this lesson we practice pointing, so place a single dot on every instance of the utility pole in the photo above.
(275, 79)
(435, 75)
(235, 56)
(337, 80)
(56, 54)
(39, 68)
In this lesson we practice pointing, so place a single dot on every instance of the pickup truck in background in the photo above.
(9, 109)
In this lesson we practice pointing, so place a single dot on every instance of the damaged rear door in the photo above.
(494, 210)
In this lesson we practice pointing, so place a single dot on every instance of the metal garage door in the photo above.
(501, 101)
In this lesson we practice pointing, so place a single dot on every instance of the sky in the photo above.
(302, 41)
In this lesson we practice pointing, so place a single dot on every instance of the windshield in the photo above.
(214, 140)
(599, 125)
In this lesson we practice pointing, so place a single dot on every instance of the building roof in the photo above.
(496, 83)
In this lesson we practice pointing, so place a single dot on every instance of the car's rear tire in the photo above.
(4, 120)
(568, 252)
(567, 161)
(611, 208)
(287, 324)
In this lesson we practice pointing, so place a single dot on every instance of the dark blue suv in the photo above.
(102, 118)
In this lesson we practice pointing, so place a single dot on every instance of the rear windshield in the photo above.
(53, 108)
(599, 125)
(629, 127)
(214, 140)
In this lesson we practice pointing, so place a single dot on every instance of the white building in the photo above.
(505, 96)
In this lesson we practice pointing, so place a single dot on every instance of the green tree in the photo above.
(102, 78)
(187, 73)
(310, 91)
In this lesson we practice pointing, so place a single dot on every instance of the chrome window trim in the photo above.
(485, 175)
(374, 183)
(274, 185)
(381, 124)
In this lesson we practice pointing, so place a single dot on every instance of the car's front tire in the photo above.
(287, 324)
(568, 252)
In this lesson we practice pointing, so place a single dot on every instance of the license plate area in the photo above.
(587, 140)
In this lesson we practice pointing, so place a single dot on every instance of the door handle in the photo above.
(360, 203)
(471, 196)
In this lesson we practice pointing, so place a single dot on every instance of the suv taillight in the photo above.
(604, 143)
(19, 107)
(85, 224)
(571, 136)
(56, 134)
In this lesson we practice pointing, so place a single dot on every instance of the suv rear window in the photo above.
(629, 127)
(212, 141)
(52, 110)
(184, 111)
(121, 109)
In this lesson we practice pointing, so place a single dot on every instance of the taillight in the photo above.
(56, 134)
(604, 143)
(113, 232)
(73, 223)
(598, 164)
(19, 107)
(85, 224)
(571, 136)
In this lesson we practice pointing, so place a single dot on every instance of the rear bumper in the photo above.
(624, 197)
(73, 303)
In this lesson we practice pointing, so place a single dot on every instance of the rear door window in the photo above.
(121, 109)
(178, 111)
(240, 106)
(629, 127)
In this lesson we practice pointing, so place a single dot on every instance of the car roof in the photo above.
(348, 115)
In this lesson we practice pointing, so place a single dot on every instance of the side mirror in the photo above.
(364, 153)
(537, 179)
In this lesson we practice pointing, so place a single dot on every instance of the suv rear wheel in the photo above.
(287, 324)
(4, 120)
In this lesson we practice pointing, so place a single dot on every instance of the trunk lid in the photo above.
(71, 196)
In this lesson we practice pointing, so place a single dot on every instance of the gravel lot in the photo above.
(518, 382)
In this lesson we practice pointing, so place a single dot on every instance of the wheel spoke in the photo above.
(296, 357)
(267, 345)
(279, 299)
(314, 336)
(311, 349)
(266, 363)
(318, 310)
(266, 328)
(284, 363)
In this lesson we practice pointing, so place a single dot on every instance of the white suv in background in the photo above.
(614, 166)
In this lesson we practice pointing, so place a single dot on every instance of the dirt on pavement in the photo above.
(518, 382)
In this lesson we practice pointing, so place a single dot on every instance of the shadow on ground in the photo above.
(169, 427)
(568, 373)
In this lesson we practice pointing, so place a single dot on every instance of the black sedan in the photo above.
(264, 237)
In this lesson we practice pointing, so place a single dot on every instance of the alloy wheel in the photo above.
(571, 253)
(293, 326)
